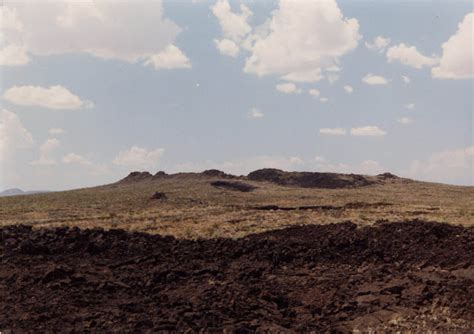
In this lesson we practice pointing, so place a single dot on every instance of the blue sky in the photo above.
(93, 90)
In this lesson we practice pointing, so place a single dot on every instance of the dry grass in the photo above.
(433, 319)
(195, 209)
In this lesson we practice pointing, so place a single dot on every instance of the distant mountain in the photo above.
(18, 192)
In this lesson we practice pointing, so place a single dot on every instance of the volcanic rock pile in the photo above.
(310, 179)
(280, 177)
(413, 275)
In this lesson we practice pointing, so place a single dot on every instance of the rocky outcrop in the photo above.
(136, 177)
(310, 179)
(217, 173)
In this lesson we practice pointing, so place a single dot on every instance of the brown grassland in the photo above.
(196, 209)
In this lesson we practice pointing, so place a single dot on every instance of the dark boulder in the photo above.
(387, 176)
(159, 195)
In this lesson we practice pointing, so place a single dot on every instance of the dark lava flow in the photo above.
(336, 278)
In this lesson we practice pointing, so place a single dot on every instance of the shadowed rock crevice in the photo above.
(235, 186)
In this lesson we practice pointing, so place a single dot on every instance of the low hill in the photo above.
(18, 192)
(277, 176)
(213, 203)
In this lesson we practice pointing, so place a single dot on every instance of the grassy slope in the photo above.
(196, 209)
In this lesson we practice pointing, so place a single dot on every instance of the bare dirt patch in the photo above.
(400, 276)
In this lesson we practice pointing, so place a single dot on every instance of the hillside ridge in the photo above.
(325, 180)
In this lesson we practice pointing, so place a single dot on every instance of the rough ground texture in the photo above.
(311, 179)
(339, 278)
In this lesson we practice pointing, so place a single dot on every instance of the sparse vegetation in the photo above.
(277, 269)
(194, 207)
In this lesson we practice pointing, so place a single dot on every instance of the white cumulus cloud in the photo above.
(227, 47)
(47, 153)
(9, 20)
(406, 79)
(133, 31)
(410, 56)
(299, 42)
(138, 157)
(234, 25)
(288, 88)
(13, 135)
(348, 89)
(54, 97)
(457, 59)
(379, 44)
(410, 106)
(372, 79)
(170, 58)
(13, 55)
(368, 131)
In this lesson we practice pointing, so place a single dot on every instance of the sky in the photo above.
(91, 90)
